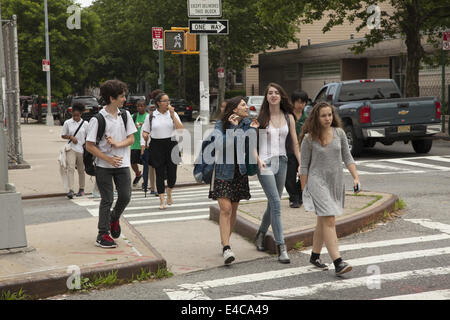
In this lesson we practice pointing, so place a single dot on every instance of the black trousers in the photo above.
(293, 186)
(161, 158)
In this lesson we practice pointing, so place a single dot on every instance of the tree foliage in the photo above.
(70, 50)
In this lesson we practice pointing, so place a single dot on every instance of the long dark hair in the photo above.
(285, 105)
(159, 97)
(312, 123)
(232, 104)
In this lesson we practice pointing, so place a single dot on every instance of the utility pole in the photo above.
(12, 222)
(204, 79)
(49, 117)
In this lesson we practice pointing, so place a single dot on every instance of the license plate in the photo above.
(402, 129)
(181, 113)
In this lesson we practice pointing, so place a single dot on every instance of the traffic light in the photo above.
(174, 40)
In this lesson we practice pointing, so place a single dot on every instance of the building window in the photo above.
(314, 70)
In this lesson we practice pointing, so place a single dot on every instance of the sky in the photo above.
(84, 3)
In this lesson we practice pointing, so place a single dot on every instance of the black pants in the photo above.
(104, 178)
(162, 152)
(293, 186)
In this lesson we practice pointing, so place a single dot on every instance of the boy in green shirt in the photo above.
(138, 119)
(293, 187)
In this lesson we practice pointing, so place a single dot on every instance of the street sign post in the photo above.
(218, 27)
(157, 37)
(45, 65)
(204, 8)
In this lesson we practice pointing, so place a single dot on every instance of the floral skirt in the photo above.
(235, 190)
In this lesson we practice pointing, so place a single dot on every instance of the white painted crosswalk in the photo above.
(192, 202)
(399, 265)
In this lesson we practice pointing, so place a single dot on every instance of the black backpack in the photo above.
(88, 158)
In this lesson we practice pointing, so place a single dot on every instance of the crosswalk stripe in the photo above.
(429, 295)
(340, 285)
(418, 164)
(165, 212)
(442, 227)
(169, 219)
(303, 270)
(385, 243)
(438, 158)
(380, 166)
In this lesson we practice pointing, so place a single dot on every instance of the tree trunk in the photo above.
(415, 50)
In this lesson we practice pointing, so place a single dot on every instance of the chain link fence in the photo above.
(11, 89)
(430, 84)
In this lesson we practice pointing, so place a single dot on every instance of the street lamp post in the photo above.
(49, 117)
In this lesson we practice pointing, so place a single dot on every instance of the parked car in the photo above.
(132, 99)
(34, 108)
(183, 108)
(90, 103)
(254, 104)
(374, 111)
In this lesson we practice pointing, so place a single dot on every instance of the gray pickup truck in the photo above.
(374, 111)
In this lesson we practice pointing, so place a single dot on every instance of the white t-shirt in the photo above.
(115, 128)
(275, 142)
(162, 125)
(69, 128)
(142, 137)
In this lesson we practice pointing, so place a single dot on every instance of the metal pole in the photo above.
(3, 141)
(161, 70)
(16, 88)
(204, 79)
(49, 117)
(443, 90)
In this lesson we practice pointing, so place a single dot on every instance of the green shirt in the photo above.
(300, 122)
(137, 135)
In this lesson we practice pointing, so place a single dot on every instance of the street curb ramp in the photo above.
(49, 284)
(344, 227)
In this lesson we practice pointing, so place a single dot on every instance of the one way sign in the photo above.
(208, 26)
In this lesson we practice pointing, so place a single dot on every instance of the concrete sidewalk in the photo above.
(42, 269)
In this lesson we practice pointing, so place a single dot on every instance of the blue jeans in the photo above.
(272, 180)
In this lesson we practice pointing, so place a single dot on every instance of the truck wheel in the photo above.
(356, 145)
(422, 146)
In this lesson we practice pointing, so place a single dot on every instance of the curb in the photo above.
(54, 283)
(344, 227)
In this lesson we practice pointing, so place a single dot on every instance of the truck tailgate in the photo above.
(402, 111)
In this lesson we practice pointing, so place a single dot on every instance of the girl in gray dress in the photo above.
(323, 148)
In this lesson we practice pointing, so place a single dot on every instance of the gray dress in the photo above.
(324, 192)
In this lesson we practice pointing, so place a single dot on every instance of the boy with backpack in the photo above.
(112, 153)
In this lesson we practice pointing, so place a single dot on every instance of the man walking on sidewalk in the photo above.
(112, 161)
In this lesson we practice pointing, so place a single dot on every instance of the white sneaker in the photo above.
(228, 256)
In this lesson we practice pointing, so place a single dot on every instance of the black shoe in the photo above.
(317, 263)
(70, 194)
(294, 204)
(115, 229)
(136, 180)
(105, 241)
(342, 268)
(80, 193)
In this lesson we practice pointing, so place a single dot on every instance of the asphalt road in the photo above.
(409, 255)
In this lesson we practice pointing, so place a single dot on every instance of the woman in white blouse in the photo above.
(164, 153)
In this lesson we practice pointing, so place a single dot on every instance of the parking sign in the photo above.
(446, 40)
(157, 37)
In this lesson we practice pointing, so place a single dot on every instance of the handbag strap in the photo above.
(78, 129)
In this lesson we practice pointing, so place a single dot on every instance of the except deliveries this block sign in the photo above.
(204, 8)
(446, 40)
(157, 37)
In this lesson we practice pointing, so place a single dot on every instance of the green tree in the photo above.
(411, 19)
(69, 49)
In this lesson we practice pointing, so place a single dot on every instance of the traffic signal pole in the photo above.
(12, 222)
(204, 79)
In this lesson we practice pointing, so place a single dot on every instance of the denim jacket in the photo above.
(234, 139)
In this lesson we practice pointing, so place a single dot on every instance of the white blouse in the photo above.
(162, 125)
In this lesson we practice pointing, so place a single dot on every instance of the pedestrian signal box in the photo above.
(174, 40)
